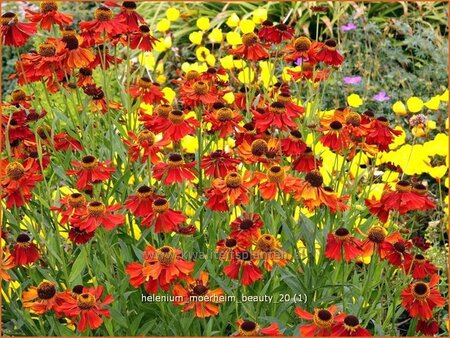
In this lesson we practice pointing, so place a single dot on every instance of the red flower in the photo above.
(160, 268)
(15, 33)
(143, 146)
(293, 145)
(427, 328)
(322, 321)
(103, 23)
(268, 249)
(174, 171)
(84, 77)
(79, 236)
(140, 204)
(420, 298)
(421, 243)
(162, 217)
(419, 267)
(250, 49)
(91, 171)
(218, 164)
(334, 137)
(394, 249)
(85, 308)
(247, 328)
(225, 121)
(302, 48)
(276, 116)
(329, 55)
(18, 182)
(48, 16)
(69, 205)
(306, 162)
(198, 93)
(375, 238)
(62, 141)
(148, 91)
(228, 248)
(342, 245)
(243, 267)
(142, 39)
(24, 251)
(77, 56)
(198, 296)
(129, 16)
(348, 326)
(175, 126)
(275, 34)
(246, 228)
(40, 299)
(380, 134)
(275, 181)
(97, 214)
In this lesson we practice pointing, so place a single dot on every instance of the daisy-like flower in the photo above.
(70, 204)
(18, 182)
(97, 214)
(419, 267)
(48, 16)
(302, 48)
(268, 249)
(420, 298)
(293, 145)
(348, 326)
(243, 267)
(228, 248)
(148, 91)
(275, 33)
(40, 299)
(144, 146)
(334, 137)
(395, 249)
(225, 121)
(84, 77)
(162, 217)
(78, 236)
(329, 54)
(62, 141)
(375, 238)
(85, 308)
(25, 251)
(140, 204)
(246, 228)
(251, 49)
(20, 98)
(342, 245)
(7, 263)
(247, 328)
(104, 23)
(175, 170)
(160, 268)
(198, 93)
(276, 115)
(234, 189)
(260, 149)
(306, 162)
(77, 56)
(91, 171)
(322, 321)
(129, 16)
(380, 134)
(142, 39)
(13, 32)
(218, 163)
(275, 181)
(427, 328)
(197, 296)
(314, 194)
(175, 126)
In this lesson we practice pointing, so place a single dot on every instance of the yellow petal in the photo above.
(246, 75)
(169, 94)
(229, 97)
(433, 103)
(196, 38)
(399, 108)
(203, 23)
(234, 38)
(233, 21)
(444, 96)
(202, 53)
(414, 104)
(163, 25)
(172, 13)
(354, 100)
(247, 26)
(259, 15)
(216, 35)
(227, 62)
(148, 60)
(211, 60)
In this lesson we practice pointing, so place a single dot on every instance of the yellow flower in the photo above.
(437, 172)
(246, 76)
(399, 108)
(247, 26)
(227, 62)
(398, 140)
(199, 67)
(285, 76)
(259, 15)
(437, 146)
(169, 94)
(163, 44)
(189, 143)
(163, 25)
(211, 60)
(444, 96)
(202, 53)
(239, 64)
(414, 104)
(196, 38)
(203, 23)
(172, 13)
(418, 131)
(233, 21)
(431, 124)
(234, 38)
(216, 35)
(433, 103)
(354, 100)
(267, 73)
(229, 97)
(147, 59)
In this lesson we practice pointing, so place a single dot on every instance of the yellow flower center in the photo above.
(302, 44)
(266, 243)
(276, 174)
(249, 39)
(76, 200)
(86, 301)
(96, 208)
(192, 75)
(18, 95)
(88, 162)
(160, 205)
(233, 180)
(201, 88)
(166, 255)
(323, 318)
(259, 147)
(146, 135)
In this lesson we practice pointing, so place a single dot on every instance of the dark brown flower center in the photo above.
(9, 18)
(96, 208)
(330, 44)
(324, 315)
(248, 326)
(266, 243)
(166, 255)
(46, 290)
(175, 160)
(376, 234)
(314, 178)
(76, 200)
(259, 147)
(46, 49)
(249, 39)
(160, 205)
(230, 243)
(281, 27)
(88, 162)
(224, 114)
(71, 42)
(403, 186)
(246, 224)
(144, 29)
(400, 246)
(131, 5)
(48, 6)
(336, 125)
(200, 290)
(351, 321)
(277, 108)
(244, 256)
(18, 95)
(23, 238)
(78, 289)
(15, 171)
(302, 44)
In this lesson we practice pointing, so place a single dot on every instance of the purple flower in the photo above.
(300, 61)
(348, 27)
(352, 80)
(381, 97)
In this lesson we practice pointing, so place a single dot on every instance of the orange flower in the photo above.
(322, 321)
(97, 214)
(303, 48)
(342, 245)
(104, 23)
(243, 267)
(69, 205)
(162, 217)
(48, 16)
(274, 181)
(268, 249)
(246, 228)
(140, 204)
(218, 164)
(91, 171)
(77, 56)
(142, 39)
(174, 171)
(144, 146)
(148, 91)
(13, 32)
(24, 251)
(225, 121)
(160, 268)
(247, 328)
(40, 299)
(251, 49)
(198, 296)
(7, 263)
